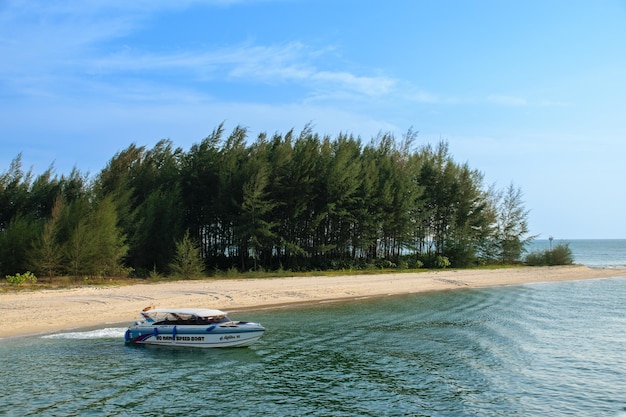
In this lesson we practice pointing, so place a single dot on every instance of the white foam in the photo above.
(110, 332)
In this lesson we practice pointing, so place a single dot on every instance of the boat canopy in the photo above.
(198, 312)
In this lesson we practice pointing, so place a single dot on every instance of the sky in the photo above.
(528, 92)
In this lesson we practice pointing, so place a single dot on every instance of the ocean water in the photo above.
(553, 349)
(595, 253)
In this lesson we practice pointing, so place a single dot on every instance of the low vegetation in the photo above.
(560, 255)
(18, 278)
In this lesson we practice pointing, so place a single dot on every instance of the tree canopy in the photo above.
(290, 201)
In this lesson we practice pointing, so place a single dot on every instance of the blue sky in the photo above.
(528, 92)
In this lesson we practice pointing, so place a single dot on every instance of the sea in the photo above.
(540, 349)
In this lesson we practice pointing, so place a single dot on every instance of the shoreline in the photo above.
(48, 311)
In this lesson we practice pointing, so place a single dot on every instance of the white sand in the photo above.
(46, 311)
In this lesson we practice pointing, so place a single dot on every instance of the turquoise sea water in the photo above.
(555, 349)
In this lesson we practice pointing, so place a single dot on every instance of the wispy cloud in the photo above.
(507, 100)
(38, 36)
(40, 40)
(429, 97)
(37, 56)
(517, 101)
(553, 103)
(47, 8)
(367, 85)
(500, 100)
(291, 62)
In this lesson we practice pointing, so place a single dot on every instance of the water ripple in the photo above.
(541, 349)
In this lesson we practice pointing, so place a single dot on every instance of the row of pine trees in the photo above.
(288, 201)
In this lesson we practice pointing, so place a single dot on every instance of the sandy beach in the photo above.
(46, 311)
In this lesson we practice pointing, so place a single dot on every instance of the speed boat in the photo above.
(191, 327)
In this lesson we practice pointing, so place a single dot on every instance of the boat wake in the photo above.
(111, 332)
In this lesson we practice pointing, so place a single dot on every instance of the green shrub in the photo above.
(560, 255)
(187, 262)
(442, 262)
(417, 264)
(155, 275)
(536, 258)
(18, 278)
(232, 272)
(385, 264)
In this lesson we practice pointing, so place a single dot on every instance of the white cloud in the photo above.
(275, 64)
(40, 35)
(42, 39)
(424, 97)
(373, 86)
(54, 49)
(507, 100)
(553, 103)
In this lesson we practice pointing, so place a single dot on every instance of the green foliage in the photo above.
(18, 278)
(299, 202)
(144, 186)
(93, 244)
(511, 226)
(108, 245)
(560, 255)
(155, 275)
(47, 255)
(442, 262)
(16, 241)
(255, 229)
(159, 220)
(187, 263)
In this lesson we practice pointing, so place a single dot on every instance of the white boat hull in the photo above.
(239, 335)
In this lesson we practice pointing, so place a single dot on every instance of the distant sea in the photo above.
(542, 349)
(595, 253)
